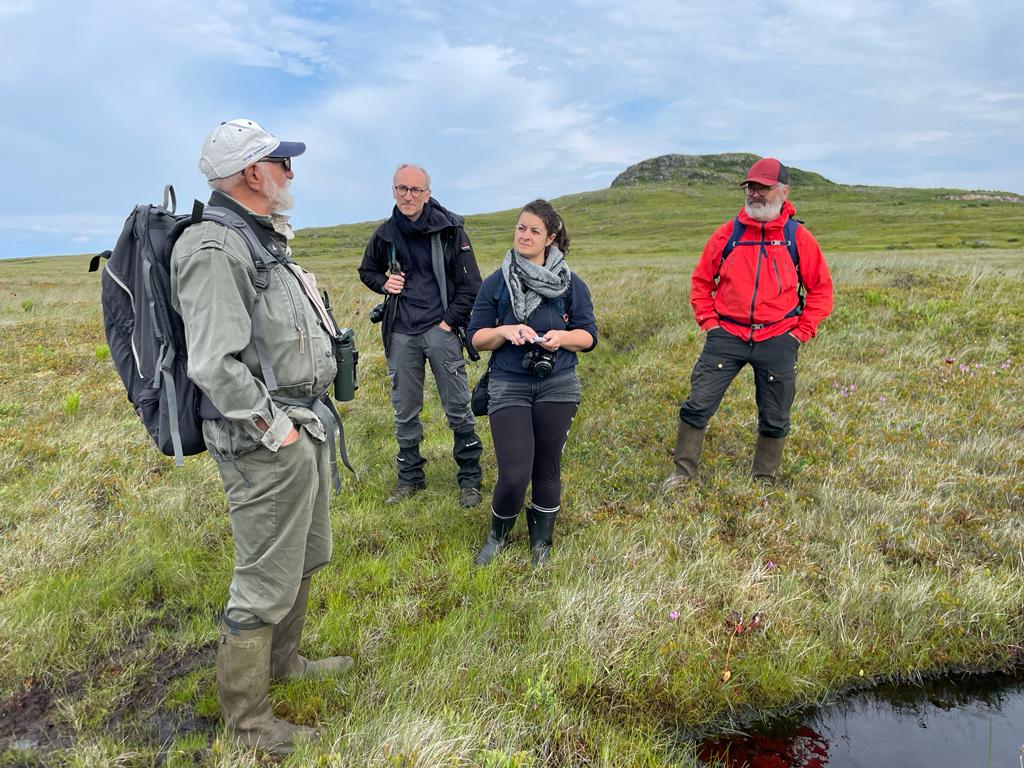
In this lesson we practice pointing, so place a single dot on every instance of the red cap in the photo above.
(767, 171)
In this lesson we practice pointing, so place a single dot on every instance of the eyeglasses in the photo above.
(750, 188)
(401, 190)
(285, 162)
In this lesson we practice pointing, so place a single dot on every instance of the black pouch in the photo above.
(480, 398)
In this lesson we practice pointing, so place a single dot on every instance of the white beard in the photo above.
(280, 198)
(762, 211)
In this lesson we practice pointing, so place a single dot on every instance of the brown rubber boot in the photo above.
(285, 661)
(686, 456)
(243, 683)
(767, 457)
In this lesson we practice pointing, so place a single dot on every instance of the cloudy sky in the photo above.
(105, 102)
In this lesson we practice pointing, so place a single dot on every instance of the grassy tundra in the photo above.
(891, 549)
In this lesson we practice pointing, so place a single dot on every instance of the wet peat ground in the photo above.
(947, 723)
(31, 724)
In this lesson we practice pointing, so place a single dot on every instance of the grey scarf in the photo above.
(529, 284)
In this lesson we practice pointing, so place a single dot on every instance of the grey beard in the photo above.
(762, 211)
(280, 198)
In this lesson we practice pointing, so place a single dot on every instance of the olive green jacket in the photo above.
(213, 287)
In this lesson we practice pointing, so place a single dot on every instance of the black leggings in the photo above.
(528, 444)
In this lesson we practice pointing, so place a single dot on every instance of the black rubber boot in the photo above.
(767, 457)
(686, 456)
(497, 538)
(466, 450)
(542, 528)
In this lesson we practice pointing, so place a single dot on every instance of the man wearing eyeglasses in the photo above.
(759, 291)
(262, 353)
(423, 263)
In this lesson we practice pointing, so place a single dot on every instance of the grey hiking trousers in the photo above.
(406, 360)
(280, 519)
(406, 370)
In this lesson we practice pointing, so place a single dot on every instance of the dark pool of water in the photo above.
(952, 723)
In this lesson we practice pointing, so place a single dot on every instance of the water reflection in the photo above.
(949, 723)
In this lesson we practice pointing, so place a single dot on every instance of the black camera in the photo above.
(539, 361)
(377, 313)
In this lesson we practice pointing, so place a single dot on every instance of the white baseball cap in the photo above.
(237, 144)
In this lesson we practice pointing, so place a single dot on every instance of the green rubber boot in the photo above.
(285, 661)
(243, 685)
(767, 458)
(686, 457)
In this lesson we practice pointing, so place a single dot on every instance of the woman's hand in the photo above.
(575, 340)
(518, 335)
(552, 340)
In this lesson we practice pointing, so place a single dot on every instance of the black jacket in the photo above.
(461, 273)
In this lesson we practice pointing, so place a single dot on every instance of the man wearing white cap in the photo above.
(759, 291)
(261, 350)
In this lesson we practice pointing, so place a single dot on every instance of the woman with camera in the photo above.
(534, 315)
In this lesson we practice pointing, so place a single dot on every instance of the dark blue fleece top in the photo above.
(573, 309)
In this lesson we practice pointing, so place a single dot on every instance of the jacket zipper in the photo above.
(778, 277)
(762, 252)
(295, 312)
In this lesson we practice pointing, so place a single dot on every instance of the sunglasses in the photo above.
(284, 161)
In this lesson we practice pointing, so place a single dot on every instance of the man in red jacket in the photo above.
(757, 302)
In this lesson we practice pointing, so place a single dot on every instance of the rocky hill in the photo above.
(726, 168)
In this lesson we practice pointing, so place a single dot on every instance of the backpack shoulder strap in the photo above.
(790, 232)
(734, 238)
(503, 299)
(262, 259)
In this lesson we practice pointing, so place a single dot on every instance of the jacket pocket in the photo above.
(784, 270)
(299, 348)
(226, 441)
(457, 386)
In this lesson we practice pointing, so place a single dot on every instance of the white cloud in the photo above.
(501, 102)
(491, 136)
(255, 34)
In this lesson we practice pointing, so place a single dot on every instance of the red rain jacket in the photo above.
(760, 290)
